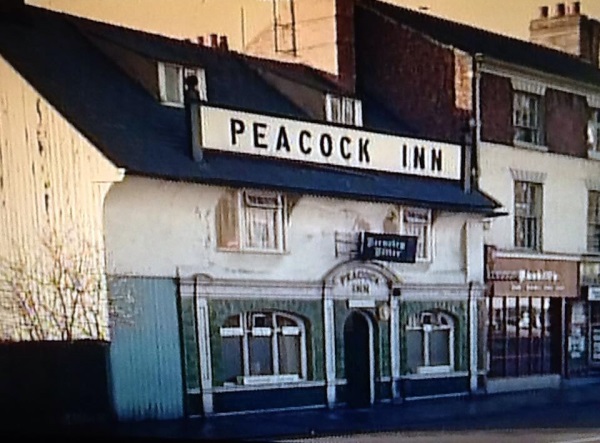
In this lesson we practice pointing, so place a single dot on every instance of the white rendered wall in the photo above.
(565, 192)
(156, 227)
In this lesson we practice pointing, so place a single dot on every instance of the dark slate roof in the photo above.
(499, 47)
(146, 138)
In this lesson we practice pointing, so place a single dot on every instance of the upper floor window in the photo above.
(412, 221)
(263, 347)
(251, 221)
(343, 110)
(430, 343)
(593, 220)
(527, 118)
(528, 215)
(593, 131)
(171, 82)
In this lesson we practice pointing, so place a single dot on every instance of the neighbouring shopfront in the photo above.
(528, 325)
(590, 306)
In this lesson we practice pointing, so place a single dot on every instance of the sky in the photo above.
(190, 18)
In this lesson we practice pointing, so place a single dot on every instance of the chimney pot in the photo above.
(543, 11)
(214, 40)
(576, 8)
(560, 9)
(223, 44)
(200, 40)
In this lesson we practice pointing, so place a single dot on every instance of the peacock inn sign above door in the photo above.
(286, 139)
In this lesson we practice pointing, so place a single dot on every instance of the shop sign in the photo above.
(361, 282)
(521, 277)
(388, 247)
(286, 139)
(594, 293)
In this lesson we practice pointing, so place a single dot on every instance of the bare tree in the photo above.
(58, 292)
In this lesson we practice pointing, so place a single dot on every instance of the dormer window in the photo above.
(171, 79)
(343, 110)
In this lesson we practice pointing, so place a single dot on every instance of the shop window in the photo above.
(593, 219)
(171, 82)
(593, 133)
(412, 221)
(430, 343)
(343, 110)
(527, 118)
(528, 215)
(263, 347)
(523, 336)
(251, 221)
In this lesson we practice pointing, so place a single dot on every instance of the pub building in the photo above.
(531, 339)
(282, 253)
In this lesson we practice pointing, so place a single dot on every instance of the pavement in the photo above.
(548, 408)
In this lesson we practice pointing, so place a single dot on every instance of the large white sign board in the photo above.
(286, 139)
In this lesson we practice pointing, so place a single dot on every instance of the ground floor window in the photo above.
(524, 336)
(430, 343)
(595, 332)
(263, 347)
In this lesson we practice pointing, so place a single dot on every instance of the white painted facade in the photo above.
(161, 228)
(566, 181)
(52, 179)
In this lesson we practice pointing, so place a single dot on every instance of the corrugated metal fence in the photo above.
(145, 353)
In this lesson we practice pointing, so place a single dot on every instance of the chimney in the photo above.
(200, 40)
(223, 44)
(572, 32)
(576, 8)
(214, 41)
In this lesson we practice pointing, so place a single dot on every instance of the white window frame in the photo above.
(349, 110)
(593, 134)
(593, 221)
(183, 72)
(534, 206)
(395, 223)
(528, 120)
(247, 328)
(243, 207)
(415, 323)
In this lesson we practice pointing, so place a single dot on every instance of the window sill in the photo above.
(173, 104)
(267, 379)
(451, 373)
(531, 146)
(428, 370)
(253, 251)
(594, 155)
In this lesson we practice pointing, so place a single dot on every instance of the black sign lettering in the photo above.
(404, 156)
(326, 145)
(259, 135)
(363, 153)
(419, 157)
(344, 142)
(282, 140)
(436, 159)
(303, 148)
(236, 127)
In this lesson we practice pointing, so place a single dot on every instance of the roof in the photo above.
(500, 47)
(126, 123)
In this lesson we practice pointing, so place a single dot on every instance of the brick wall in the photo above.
(496, 109)
(566, 123)
(411, 74)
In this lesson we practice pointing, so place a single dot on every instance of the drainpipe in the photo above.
(192, 117)
(476, 120)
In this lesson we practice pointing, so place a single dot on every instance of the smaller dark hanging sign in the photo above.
(388, 247)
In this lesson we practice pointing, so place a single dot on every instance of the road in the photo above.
(574, 423)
